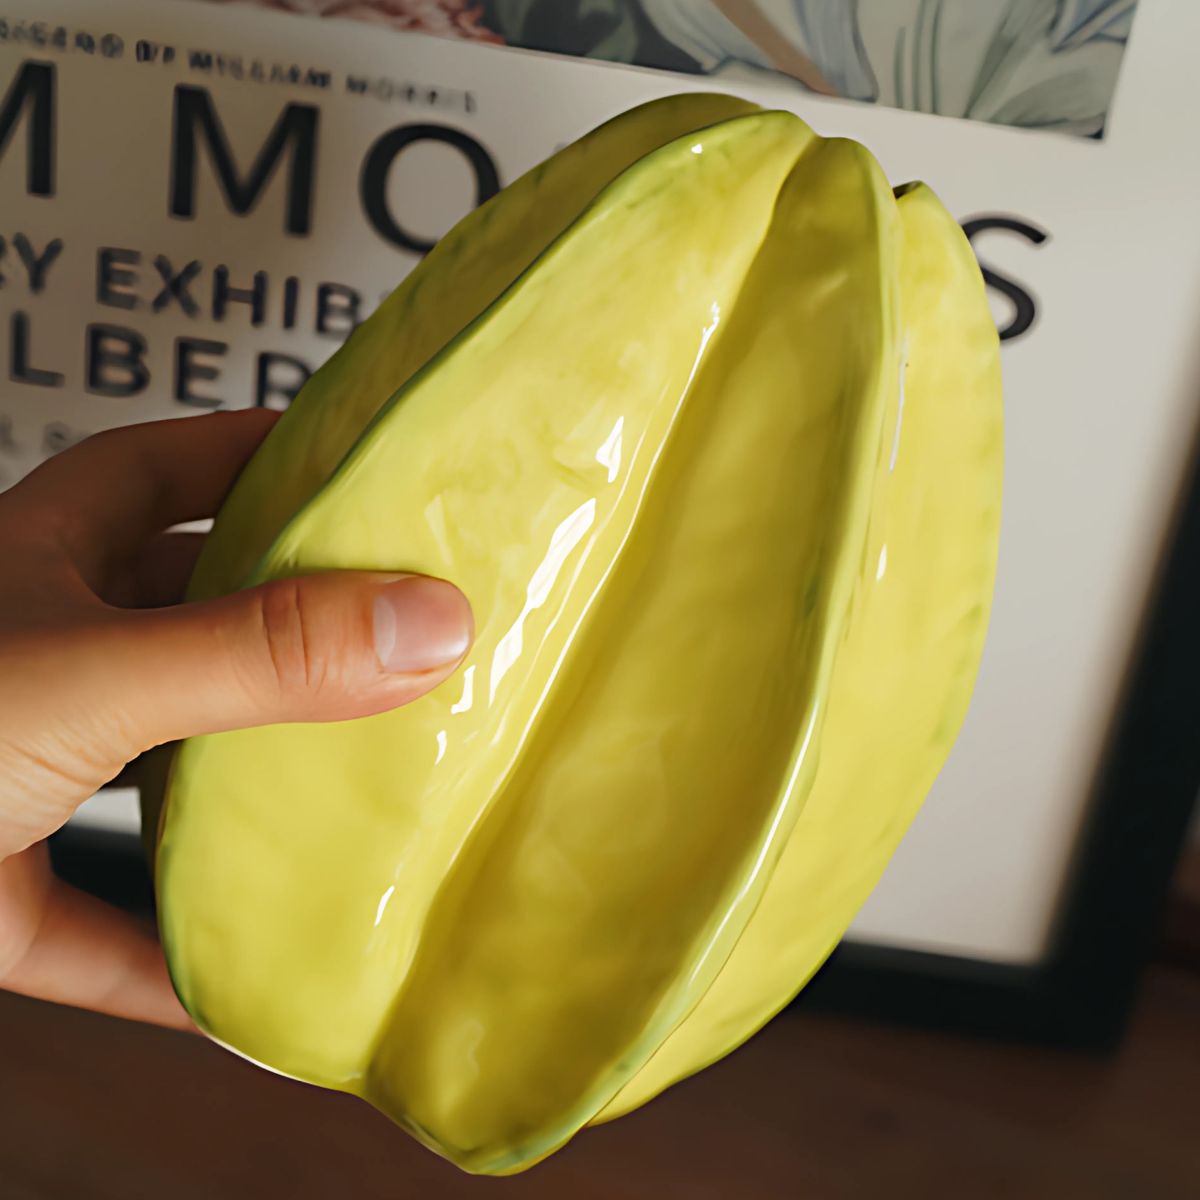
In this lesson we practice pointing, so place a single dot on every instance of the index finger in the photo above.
(104, 497)
(77, 950)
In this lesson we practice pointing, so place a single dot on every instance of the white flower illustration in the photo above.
(1033, 63)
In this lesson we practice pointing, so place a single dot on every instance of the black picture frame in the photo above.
(1081, 993)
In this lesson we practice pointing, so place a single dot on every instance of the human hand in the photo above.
(99, 662)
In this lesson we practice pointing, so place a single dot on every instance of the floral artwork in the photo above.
(447, 18)
(1034, 64)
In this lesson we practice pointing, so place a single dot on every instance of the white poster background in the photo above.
(1100, 394)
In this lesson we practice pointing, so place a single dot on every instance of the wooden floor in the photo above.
(812, 1108)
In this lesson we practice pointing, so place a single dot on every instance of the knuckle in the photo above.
(296, 659)
(103, 445)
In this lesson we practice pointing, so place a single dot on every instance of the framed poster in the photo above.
(199, 199)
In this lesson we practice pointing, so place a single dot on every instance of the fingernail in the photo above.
(421, 624)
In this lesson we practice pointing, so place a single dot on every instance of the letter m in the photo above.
(33, 89)
(196, 119)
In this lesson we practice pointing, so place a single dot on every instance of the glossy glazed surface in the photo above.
(730, 563)
(465, 272)
(903, 676)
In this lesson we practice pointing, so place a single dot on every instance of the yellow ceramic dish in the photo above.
(706, 423)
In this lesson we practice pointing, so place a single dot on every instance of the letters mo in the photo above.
(32, 99)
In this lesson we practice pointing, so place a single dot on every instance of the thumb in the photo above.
(324, 647)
